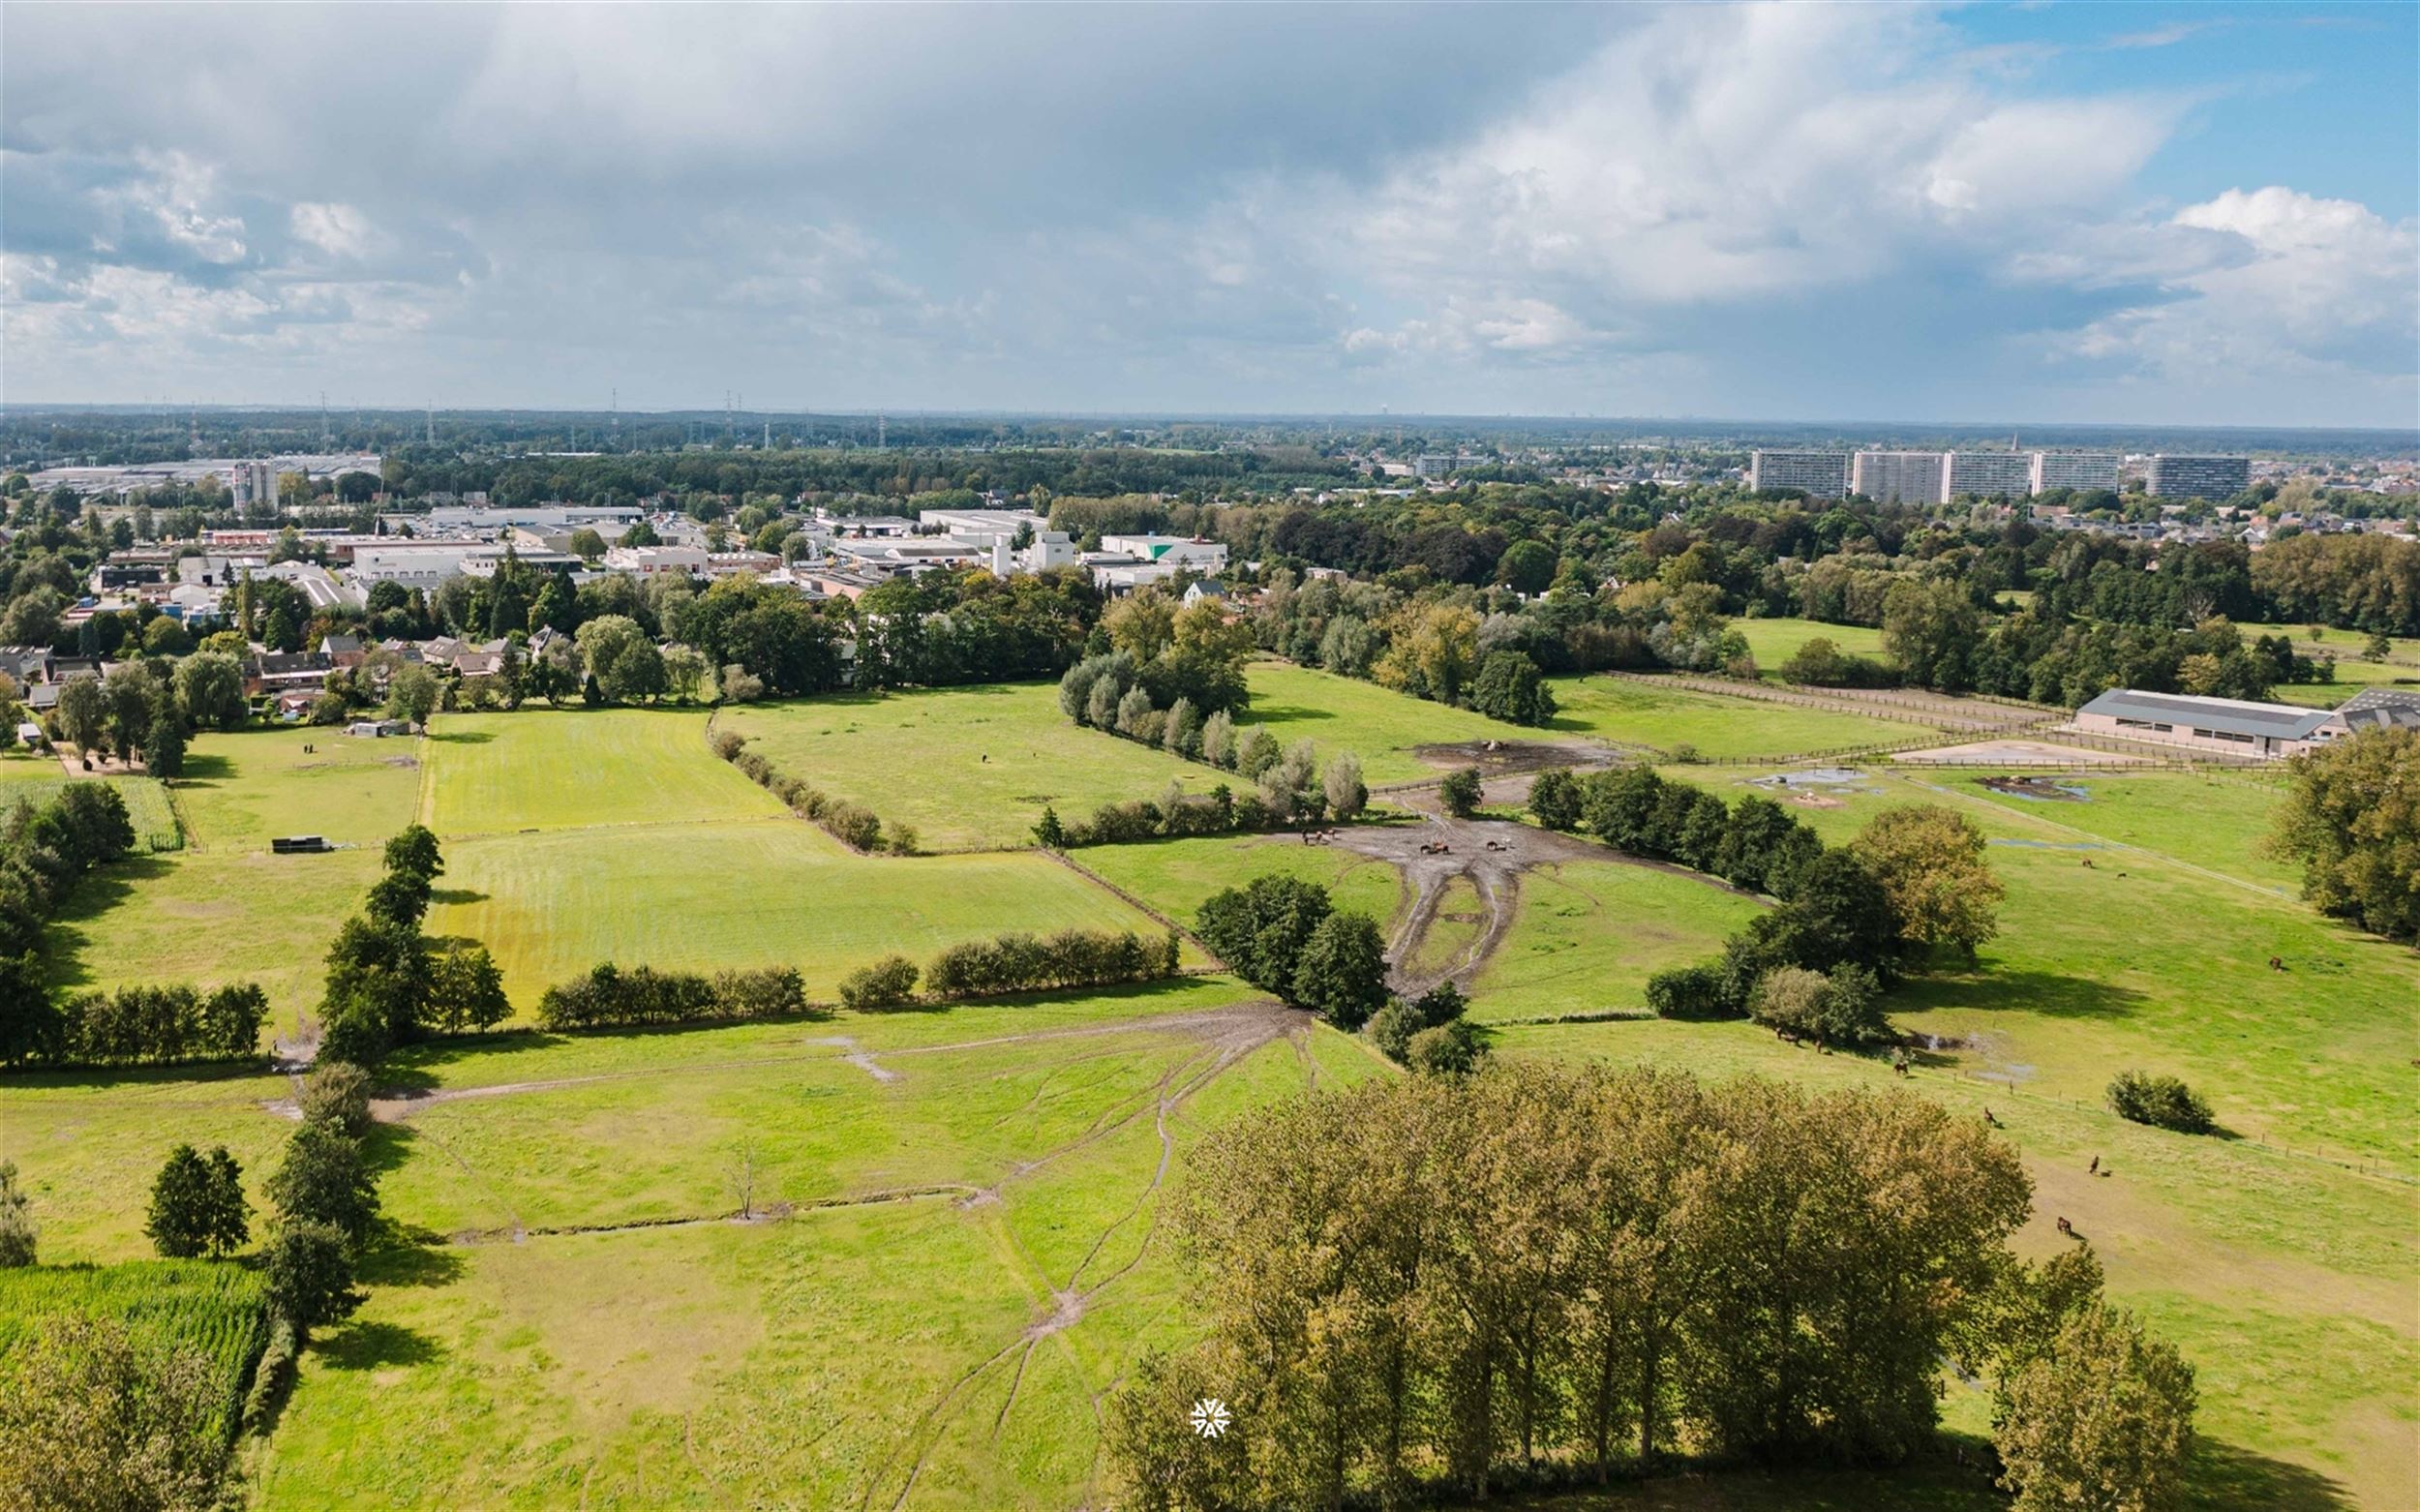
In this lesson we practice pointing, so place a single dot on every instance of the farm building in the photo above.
(2236, 727)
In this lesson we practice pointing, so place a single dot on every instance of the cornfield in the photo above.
(216, 1308)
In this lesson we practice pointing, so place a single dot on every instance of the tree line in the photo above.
(1010, 963)
(1434, 1287)
(611, 995)
(45, 849)
(388, 984)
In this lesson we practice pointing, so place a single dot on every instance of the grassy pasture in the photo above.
(1177, 876)
(572, 769)
(242, 789)
(210, 919)
(2305, 1403)
(2163, 963)
(970, 768)
(1589, 934)
(1382, 727)
(767, 892)
(2213, 820)
(1773, 642)
(523, 1373)
(1667, 718)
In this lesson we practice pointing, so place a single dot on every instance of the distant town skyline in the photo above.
(2149, 215)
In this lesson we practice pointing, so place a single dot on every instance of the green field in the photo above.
(147, 806)
(1382, 727)
(1177, 876)
(953, 1336)
(965, 1262)
(19, 765)
(971, 768)
(240, 790)
(764, 891)
(576, 768)
(1668, 718)
(214, 1308)
(2162, 960)
(225, 909)
(1773, 642)
(1589, 934)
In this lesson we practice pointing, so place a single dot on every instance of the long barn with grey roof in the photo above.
(2237, 727)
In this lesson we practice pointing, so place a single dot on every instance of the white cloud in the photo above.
(2307, 285)
(338, 229)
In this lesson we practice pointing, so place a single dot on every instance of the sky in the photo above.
(2170, 214)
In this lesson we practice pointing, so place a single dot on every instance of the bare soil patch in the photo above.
(1496, 758)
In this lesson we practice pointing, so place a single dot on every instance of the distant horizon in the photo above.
(1371, 418)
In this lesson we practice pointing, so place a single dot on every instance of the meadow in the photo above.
(149, 808)
(754, 892)
(956, 1253)
(969, 767)
(545, 769)
(968, 1203)
(1589, 934)
(1773, 642)
(1382, 727)
(1669, 719)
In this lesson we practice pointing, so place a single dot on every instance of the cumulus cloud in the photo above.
(2276, 281)
(1218, 207)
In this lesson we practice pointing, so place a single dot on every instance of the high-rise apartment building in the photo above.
(1819, 474)
(1902, 477)
(2075, 470)
(1991, 475)
(2199, 476)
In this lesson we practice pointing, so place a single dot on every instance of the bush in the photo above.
(727, 744)
(1261, 929)
(1021, 962)
(1689, 992)
(1461, 791)
(2161, 1102)
(609, 996)
(889, 982)
(1841, 1007)
(1554, 800)
(853, 825)
(1446, 1051)
(337, 1093)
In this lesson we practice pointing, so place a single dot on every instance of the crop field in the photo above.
(147, 806)
(576, 768)
(971, 769)
(1773, 642)
(1384, 728)
(218, 1311)
(1668, 718)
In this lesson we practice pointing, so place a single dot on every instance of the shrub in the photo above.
(18, 1234)
(887, 982)
(1461, 791)
(727, 744)
(1261, 929)
(1554, 800)
(609, 995)
(1446, 1051)
(853, 825)
(2161, 1102)
(337, 1093)
(1019, 962)
(1688, 992)
(1841, 1007)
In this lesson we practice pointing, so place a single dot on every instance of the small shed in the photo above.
(298, 844)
